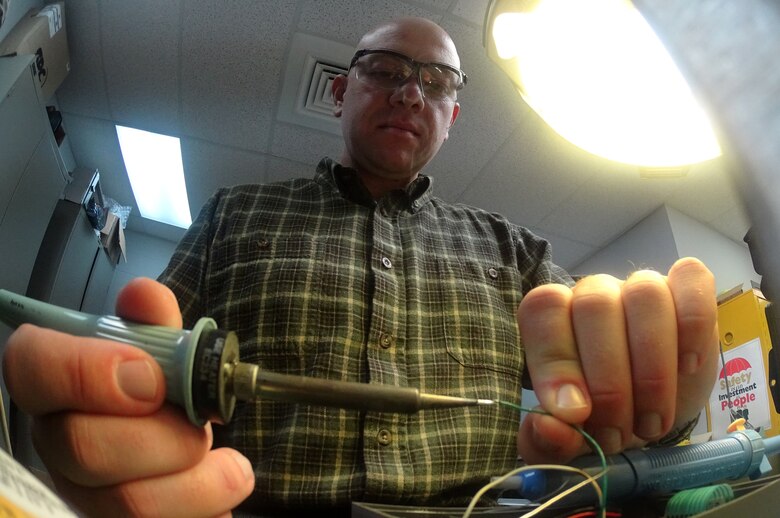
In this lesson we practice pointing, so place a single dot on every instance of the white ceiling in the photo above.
(213, 73)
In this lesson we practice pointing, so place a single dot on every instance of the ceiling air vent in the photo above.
(306, 98)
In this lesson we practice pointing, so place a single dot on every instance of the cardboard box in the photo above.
(42, 34)
(112, 237)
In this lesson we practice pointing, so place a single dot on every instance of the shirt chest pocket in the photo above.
(275, 291)
(480, 326)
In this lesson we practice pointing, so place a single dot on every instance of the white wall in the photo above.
(147, 256)
(729, 261)
(663, 237)
(649, 244)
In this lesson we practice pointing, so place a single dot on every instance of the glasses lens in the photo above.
(439, 82)
(390, 71)
(383, 70)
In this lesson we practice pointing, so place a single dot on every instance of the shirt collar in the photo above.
(347, 181)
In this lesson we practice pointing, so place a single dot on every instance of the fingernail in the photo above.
(570, 396)
(689, 363)
(609, 439)
(649, 426)
(136, 379)
(209, 434)
(244, 464)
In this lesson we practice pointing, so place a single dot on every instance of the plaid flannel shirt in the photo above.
(318, 279)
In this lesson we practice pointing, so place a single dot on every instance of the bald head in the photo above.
(431, 38)
(392, 131)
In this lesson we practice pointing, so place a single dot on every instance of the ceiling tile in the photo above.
(279, 169)
(706, 193)
(565, 252)
(84, 89)
(485, 120)
(209, 166)
(605, 206)
(142, 92)
(347, 20)
(232, 61)
(303, 144)
(471, 10)
(733, 223)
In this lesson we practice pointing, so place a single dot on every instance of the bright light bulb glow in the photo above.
(596, 72)
(154, 165)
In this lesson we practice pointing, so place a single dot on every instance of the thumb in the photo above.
(147, 301)
(547, 439)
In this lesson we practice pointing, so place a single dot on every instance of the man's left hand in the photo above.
(629, 360)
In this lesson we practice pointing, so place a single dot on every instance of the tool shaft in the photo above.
(250, 382)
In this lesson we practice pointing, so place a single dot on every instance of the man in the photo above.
(361, 274)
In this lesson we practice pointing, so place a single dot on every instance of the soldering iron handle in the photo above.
(194, 376)
(657, 470)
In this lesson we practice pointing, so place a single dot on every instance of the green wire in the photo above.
(590, 440)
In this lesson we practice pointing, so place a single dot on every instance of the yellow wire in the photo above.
(588, 480)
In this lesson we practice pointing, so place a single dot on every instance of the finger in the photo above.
(652, 335)
(147, 301)
(221, 481)
(600, 331)
(546, 439)
(693, 288)
(48, 371)
(551, 354)
(101, 450)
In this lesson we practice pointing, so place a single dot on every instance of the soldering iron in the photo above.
(203, 373)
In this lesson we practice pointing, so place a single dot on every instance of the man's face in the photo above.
(393, 133)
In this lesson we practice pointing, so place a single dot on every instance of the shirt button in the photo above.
(384, 437)
(262, 244)
(386, 340)
(493, 273)
(387, 262)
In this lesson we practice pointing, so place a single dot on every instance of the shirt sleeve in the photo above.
(534, 259)
(186, 272)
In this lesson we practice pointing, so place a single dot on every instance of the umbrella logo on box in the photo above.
(740, 390)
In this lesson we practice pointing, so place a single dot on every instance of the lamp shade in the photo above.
(595, 71)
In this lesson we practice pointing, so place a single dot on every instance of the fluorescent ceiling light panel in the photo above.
(154, 165)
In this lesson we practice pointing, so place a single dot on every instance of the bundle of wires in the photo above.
(601, 490)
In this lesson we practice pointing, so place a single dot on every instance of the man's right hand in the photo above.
(111, 445)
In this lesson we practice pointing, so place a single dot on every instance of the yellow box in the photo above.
(746, 344)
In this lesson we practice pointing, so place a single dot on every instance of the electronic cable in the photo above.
(601, 490)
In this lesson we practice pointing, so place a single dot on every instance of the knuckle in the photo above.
(646, 343)
(611, 407)
(135, 499)
(548, 296)
(697, 323)
(651, 386)
(608, 399)
(689, 266)
(589, 301)
(66, 442)
(16, 357)
(643, 284)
